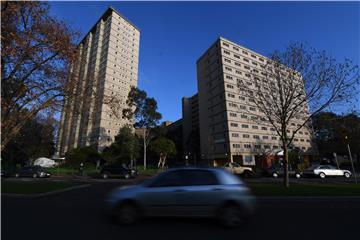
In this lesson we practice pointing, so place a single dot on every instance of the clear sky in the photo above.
(175, 34)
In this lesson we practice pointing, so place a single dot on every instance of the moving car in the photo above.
(323, 171)
(236, 168)
(122, 171)
(32, 171)
(278, 171)
(186, 192)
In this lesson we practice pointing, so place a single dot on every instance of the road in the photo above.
(78, 214)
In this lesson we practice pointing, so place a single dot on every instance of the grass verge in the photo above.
(33, 187)
(276, 189)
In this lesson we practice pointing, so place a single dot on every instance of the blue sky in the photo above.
(175, 34)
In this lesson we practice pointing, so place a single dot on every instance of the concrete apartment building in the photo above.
(227, 130)
(106, 68)
(190, 128)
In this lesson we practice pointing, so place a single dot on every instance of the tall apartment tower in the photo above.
(227, 129)
(106, 68)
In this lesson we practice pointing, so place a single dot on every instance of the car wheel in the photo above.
(105, 176)
(34, 175)
(231, 216)
(347, 175)
(297, 175)
(127, 176)
(127, 214)
(322, 175)
(275, 175)
(247, 174)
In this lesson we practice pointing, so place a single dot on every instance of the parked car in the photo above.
(32, 171)
(278, 171)
(4, 173)
(236, 168)
(122, 171)
(323, 171)
(190, 192)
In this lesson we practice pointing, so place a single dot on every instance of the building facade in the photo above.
(105, 70)
(190, 129)
(227, 129)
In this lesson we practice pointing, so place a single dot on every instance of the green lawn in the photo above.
(33, 187)
(276, 189)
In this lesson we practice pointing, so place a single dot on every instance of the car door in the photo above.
(200, 193)
(161, 196)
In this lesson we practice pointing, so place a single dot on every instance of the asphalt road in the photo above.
(78, 214)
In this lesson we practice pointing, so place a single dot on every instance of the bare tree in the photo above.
(36, 51)
(293, 86)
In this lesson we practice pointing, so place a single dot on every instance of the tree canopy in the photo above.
(36, 51)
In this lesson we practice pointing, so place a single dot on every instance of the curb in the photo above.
(309, 199)
(15, 195)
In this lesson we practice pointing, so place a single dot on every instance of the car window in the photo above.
(324, 167)
(199, 177)
(235, 165)
(168, 179)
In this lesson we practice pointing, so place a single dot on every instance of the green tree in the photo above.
(125, 148)
(85, 155)
(330, 130)
(144, 110)
(164, 148)
(35, 139)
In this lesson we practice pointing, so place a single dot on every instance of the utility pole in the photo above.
(351, 160)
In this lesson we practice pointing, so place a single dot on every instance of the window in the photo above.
(247, 67)
(243, 116)
(235, 48)
(236, 56)
(252, 109)
(247, 146)
(229, 77)
(253, 56)
(236, 145)
(242, 98)
(256, 136)
(228, 69)
(272, 129)
(225, 44)
(246, 60)
(227, 52)
(273, 138)
(248, 158)
(244, 52)
(245, 126)
(265, 137)
(231, 95)
(266, 146)
(242, 107)
(227, 60)
(233, 114)
(235, 135)
(229, 86)
(237, 64)
(255, 127)
(257, 146)
(263, 128)
(246, 136)
(234, 124)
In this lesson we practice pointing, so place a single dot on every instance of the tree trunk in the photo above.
(286, 166)
(144, 138)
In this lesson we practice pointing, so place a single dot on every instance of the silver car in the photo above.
(323, 171)
(188, 192)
